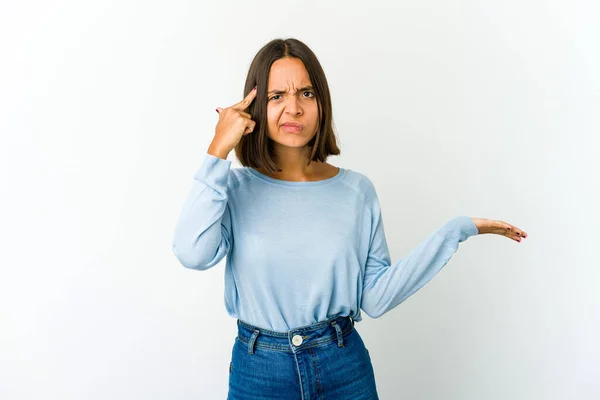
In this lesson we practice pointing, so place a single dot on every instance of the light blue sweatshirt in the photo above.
(298, 253)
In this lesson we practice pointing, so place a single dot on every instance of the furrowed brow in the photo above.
(279, 91)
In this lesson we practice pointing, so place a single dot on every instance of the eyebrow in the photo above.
(278, 91)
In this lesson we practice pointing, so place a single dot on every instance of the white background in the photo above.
(486, 109)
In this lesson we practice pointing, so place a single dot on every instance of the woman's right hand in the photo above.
(233, 123)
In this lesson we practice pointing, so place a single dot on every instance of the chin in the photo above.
(295, 144)
(291, 141)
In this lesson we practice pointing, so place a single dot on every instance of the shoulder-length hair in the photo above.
(256, 149)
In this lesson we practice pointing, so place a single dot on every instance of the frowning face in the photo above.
(292, 110)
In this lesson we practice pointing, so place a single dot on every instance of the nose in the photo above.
(293, 106)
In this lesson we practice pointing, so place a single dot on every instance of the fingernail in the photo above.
(217, 110)
(254, 88)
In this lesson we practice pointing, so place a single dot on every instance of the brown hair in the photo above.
(256, 149)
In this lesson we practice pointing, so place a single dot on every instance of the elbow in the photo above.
(192, 258)
(372, 310)
(200, 251)
(376, 307)
(373, 313)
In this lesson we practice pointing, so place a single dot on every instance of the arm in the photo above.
(203, 231)
(386, 285)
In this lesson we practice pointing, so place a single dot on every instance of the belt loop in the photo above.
(252, 341)
(339, 333)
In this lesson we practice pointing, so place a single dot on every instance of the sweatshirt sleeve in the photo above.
(203, 231)
(385, 285)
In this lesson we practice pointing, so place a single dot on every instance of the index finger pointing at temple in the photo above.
(245, 103)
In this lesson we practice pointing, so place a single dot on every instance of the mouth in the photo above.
(292, 127)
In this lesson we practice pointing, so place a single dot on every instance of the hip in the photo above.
(327, 359)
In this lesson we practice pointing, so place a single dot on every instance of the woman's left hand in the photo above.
(499, 228)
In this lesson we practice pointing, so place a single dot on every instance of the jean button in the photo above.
(297, 340)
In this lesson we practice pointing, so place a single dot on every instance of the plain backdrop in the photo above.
(487, 109)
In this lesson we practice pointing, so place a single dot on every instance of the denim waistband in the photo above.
(317, 334)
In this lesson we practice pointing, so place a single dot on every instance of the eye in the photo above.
(310, 97)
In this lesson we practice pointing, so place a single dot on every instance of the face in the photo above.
(290, 98)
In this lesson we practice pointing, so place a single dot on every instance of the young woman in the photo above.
(304, 240)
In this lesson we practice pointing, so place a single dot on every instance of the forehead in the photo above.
(288, 72)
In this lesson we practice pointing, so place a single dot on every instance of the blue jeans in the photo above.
(326, 360)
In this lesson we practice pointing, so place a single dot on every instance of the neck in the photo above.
(292, 162)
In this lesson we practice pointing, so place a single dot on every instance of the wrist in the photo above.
(217, 151)
(461, 227)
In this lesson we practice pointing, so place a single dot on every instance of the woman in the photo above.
(304, 240)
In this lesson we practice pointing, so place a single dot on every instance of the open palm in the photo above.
(499, 228)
